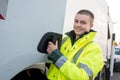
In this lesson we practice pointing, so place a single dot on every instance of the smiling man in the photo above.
(79, 57)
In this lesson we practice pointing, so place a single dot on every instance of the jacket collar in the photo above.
(87, 35)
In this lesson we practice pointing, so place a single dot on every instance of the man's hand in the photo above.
(51, 47)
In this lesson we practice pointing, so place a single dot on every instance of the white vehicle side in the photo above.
(25, 23)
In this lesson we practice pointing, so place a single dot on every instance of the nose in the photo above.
(78, 24)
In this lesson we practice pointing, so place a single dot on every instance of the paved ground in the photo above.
(116, 76)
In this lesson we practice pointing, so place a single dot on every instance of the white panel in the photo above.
(26, 22)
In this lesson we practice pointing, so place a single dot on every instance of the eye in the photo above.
(83, 22)
(76, 21)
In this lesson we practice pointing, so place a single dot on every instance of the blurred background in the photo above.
(115, 16)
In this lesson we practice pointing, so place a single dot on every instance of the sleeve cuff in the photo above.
(55, 55)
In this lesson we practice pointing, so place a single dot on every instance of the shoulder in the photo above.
(94, 45)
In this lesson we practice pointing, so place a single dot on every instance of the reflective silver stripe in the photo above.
(87, 70)
(79, 52)
(64, 40)
(77, 55)
(60, 61)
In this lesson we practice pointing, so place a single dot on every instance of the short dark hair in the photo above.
(86, 12)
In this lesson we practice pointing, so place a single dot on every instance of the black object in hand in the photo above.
(49, 36)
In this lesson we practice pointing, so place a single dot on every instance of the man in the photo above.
(79, 57)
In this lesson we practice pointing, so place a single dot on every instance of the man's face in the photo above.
(82, 23)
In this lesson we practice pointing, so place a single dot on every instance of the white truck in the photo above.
(25, 22)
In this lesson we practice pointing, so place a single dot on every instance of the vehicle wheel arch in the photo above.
(32, 72)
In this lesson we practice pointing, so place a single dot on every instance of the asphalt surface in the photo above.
(116, 76)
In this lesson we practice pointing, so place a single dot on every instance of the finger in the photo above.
(56, 43)
(50, 43)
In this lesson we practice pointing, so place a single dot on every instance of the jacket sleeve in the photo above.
(85, 69)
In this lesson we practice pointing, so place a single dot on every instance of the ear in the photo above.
(91, 25)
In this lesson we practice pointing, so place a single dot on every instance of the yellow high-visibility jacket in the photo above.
(81, 60)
